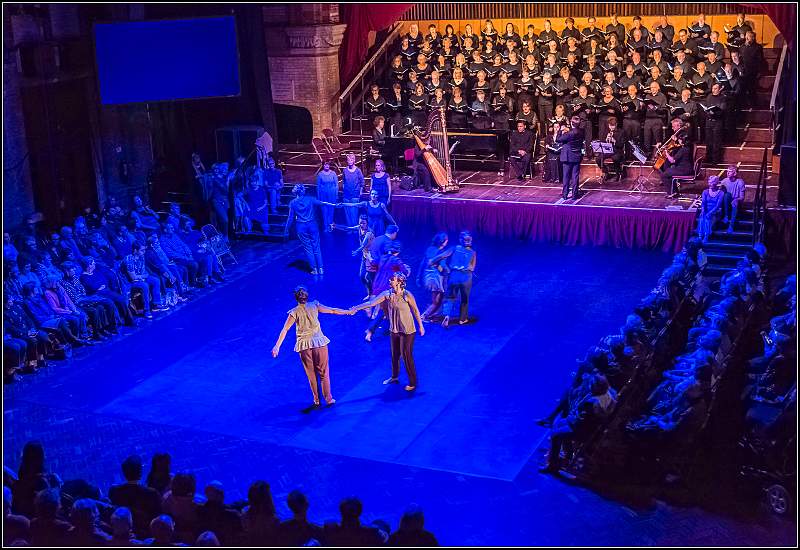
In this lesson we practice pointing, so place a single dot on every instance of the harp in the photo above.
(438, 159)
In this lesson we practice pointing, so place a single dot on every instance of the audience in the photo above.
(78, 285)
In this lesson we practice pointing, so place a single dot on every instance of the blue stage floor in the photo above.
(201, 384)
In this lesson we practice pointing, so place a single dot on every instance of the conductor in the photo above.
(571, 157)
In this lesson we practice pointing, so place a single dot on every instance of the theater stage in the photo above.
(200, 383)
(618, 214)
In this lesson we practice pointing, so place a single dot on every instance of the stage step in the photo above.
(756, 117)
(753, 135)
(732, 154)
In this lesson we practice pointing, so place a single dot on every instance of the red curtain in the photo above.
(361, 19)
(783, 15)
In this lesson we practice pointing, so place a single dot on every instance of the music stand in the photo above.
(604, 149)
(641, 181)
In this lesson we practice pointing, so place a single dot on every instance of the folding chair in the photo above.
(675, 187)
(218, 245)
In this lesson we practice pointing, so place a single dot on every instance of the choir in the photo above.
(641, 78)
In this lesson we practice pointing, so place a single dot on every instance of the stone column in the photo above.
(303, 55)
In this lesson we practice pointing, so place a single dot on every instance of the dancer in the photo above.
(379, 181)
(301, 211)
(311, 344)
(327, 190)
(389, 264)
(376, 211)
(461, 263)
(432, 274)
(365, 238)
(402, 310)
(352, 187)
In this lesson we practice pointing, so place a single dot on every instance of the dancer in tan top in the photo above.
(311, 344)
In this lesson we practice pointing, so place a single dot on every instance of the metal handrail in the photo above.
(760, 201)
(347, 103)
(774, 96)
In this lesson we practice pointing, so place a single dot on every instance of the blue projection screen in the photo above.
(145, 61)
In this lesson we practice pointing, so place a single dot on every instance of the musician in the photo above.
(418, 105)
(510, 34)
(606, 108)
(481, 83)
(660, 42)
(684, 108)
(737, 34)
(527, 114)
(525, 86)
(616, 27)
(488, 34)
(552, 163)
(502, 109)
(459, 81)
(614, 45)
(374, 104)
(529, 40)
(437, 101)
(594, 46)
(395, 105)
(414, 36)
(655, 103)
(398, 70)
(658, 61)
(422, 68)
(588, 79)
(457, 109)
(715, 107)
(468, 34)
(408, 50)
(570, 30)
(591, 30)
(630, 77)
(520, 149)
(700, 30)
(685, 44)
(678, 163)
(637, 41)
(717, 46)
(632, 108)
(678, 83)
(637, 26)
(571, 46)
(413, 80)
(582, 107)
(571, 157)
(434, 84)
(664, 26)
(712, 64)
(480, 112)
(701, 81)
(752, 59)
(422, 173)
(682, 61)
(616, 138)
(544, 94)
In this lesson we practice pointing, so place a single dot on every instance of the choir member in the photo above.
(457, 109)
(700, 30)
(547, 36)
(418, 106)
(684, 107)
(433, 37)
(529, 40)
(480, 112)
(654, 116)
(666, 29)
(374, 105)
(511, 34)
(591, 31)
(414, 36)
(701, 81)
(617, 28)
(714, 107)
(677, 84)
(632, 108)
(468, 33)
(607, 107)
(581, 107)
(637, 26)
(395, 106)
(488, 34)
(545, 92)
(686, 44)
(570, 30)
(502, 109)
(617, 140)
(408, 50)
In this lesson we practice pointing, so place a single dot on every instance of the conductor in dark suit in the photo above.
(571, 157)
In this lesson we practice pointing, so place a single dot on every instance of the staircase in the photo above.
(724, 250)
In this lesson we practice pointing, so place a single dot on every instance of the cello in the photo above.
(660, 156)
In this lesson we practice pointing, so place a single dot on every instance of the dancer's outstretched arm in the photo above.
(334, 310)
(388, 216)
(372, 303)
(286, 326)
(362, 204)
(412, 302)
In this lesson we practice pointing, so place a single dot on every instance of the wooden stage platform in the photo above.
(609, 213)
